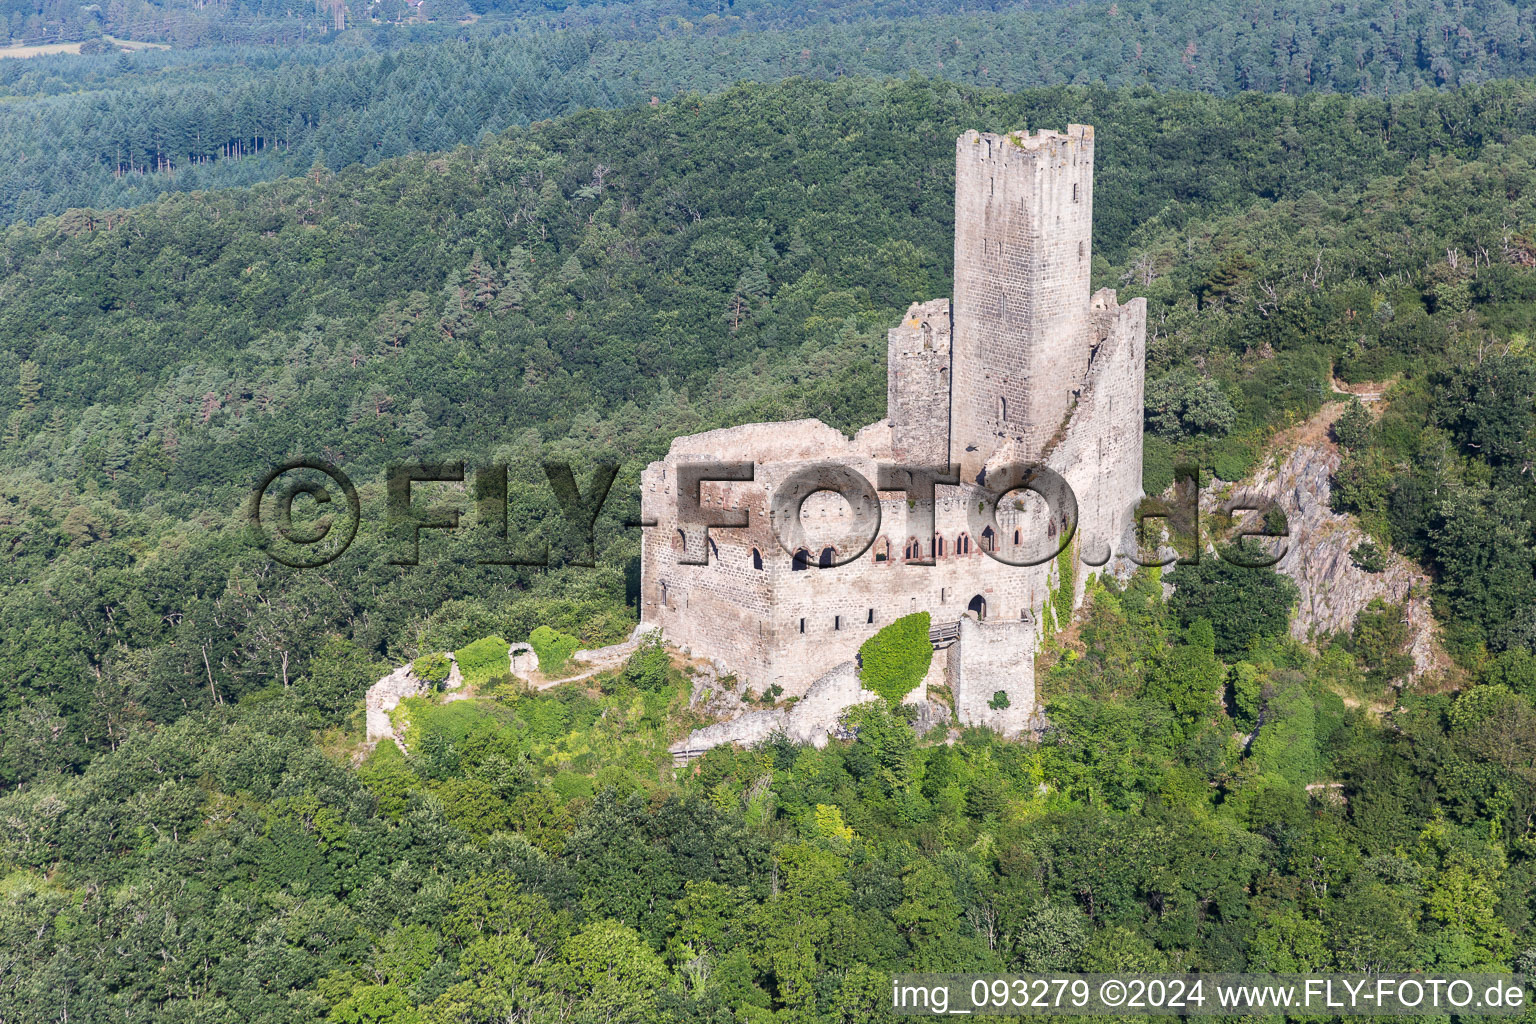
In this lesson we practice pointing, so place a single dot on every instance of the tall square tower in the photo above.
(1023, 249)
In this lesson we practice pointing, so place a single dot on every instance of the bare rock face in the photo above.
(811, 719)
(385, 695)
(1333, 589)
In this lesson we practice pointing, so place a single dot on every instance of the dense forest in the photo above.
(586, 289)
(194, 828)
(114, 130)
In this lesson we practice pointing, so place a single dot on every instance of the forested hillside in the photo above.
(187, 835)
(106, 131)
(589, 288)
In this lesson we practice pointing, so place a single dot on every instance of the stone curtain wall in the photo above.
(917, 384)
(1100, 452)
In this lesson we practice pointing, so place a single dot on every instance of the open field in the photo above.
(47, 49)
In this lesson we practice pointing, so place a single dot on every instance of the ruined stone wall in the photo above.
(1023, 250)
(917, 384)
(778, 625)
(990, 657)
(1100, 452)
(384, 696)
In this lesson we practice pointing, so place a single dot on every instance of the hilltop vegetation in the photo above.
(108, 131)
(534, 857)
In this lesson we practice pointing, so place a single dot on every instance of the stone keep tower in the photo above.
(1023, 246)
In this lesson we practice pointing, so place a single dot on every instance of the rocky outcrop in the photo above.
(1333, 589)
(811, 719)
(385, 695)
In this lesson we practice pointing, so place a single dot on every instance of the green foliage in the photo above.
(483, 660)
(1287, 743)
(895, 659)
(1182, 402)
(1490, 407)
(999, 701)
(432, 669)
(553, 648)
(1380, 639)
(1514, 669)
(650, 667)
(1157, 464)
(1241, 604)
(1367, 556)
(1487, 564)
(1247, 695)
(1188, 677)
(1354, 426)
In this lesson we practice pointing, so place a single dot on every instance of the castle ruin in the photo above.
(1022, 366)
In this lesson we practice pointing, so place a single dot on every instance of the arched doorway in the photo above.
(979, 606)
(801, 560)
(828, 556)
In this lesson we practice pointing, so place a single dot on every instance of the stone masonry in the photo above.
(1024, 366)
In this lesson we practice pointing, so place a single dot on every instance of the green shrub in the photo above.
(999, 701)
(894, 660)
(1353, 428)
(650, 667)
(431, 669)
(553, 648)
(1157, 458)
(1242, 604)
(484, 659)
(1367, 556)
(1233, 458)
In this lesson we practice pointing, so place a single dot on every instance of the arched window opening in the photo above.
(938, 547)
(801, 560)
(871, 618)
(978, 607)
(757, 559)
(963, 544)
(883, 550)
(1018, 536)
(913, 551)
(828, 556)
(1002, 409)
(988, 540)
